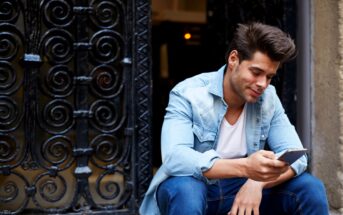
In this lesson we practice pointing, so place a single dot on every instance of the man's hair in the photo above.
(249, 38)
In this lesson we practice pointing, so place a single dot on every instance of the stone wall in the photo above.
(327, 97)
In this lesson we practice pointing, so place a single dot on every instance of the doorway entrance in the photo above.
(210, 25)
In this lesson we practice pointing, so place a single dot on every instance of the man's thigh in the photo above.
(182, 195)
(220, 196)
(303, 194)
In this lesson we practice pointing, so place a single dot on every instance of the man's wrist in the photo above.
(259, 184)
(244, 168)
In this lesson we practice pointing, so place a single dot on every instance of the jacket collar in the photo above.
(216, 86)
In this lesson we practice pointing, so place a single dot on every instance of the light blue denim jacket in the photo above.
(191, 124)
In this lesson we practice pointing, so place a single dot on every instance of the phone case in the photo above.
(291, 156)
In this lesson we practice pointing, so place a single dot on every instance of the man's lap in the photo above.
(291, 195)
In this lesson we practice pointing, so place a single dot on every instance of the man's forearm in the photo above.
(226, 168)
(260, 166)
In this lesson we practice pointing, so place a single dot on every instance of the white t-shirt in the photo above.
(231, 142)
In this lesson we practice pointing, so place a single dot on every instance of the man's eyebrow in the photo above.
(256, 68)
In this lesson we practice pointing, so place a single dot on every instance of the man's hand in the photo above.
(248, 199)
(263, 166)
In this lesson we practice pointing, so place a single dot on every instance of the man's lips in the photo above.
(256, 93)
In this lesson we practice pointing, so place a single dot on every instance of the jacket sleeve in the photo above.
(283, 136)
(177, 141)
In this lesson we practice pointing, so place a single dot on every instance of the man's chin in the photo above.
(251, 99)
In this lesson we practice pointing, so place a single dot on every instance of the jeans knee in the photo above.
(187, 188)
(185, 194)
(312, 183)
(314, 190)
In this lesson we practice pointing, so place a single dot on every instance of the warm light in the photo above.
(187, 36)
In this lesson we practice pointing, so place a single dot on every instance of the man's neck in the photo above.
(232, 100)
(233, 114)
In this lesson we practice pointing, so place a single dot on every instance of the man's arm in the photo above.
(260, 166)
(282, 135)
(177, 140)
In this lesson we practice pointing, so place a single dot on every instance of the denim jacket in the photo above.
(191, 124)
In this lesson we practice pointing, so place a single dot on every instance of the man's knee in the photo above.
(186, 194)
(309, 183)
(312, 190)
(183, 187)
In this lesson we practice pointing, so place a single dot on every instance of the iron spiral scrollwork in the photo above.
(108, 14)
(57, 13)
(111, 187)
(12, 193)
(9, 80)
(58, 81)
(107, 81)
(50, 189)
(10, 39)
(57, 116)
(9, 148)
(57, 152)
(107, 45)
(110, 154)
(106, 116)
(12, 151)
(67, 107)
(108, 149)
(10, 116)
(58, 46)
(9, 11)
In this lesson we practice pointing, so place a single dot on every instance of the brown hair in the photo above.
(249, 38)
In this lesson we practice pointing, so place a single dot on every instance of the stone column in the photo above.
(327, 97)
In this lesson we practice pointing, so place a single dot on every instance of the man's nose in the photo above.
(262, 82)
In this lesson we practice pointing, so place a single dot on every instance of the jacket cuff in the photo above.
(300, 165)
(204, 164)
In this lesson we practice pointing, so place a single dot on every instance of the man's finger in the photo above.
(268, 154)
(278, 164)
(256, 211)
(248, 211)
(241, 211)
(234, 210)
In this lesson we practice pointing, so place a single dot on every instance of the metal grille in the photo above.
(75, 93)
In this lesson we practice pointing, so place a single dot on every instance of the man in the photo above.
(214, 132)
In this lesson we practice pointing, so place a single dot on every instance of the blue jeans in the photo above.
(303, 195)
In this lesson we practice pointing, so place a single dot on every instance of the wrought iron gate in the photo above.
(75, 95)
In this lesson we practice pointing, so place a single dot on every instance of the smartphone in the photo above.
(291, 155)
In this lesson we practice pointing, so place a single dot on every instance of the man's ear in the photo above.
(233, 59)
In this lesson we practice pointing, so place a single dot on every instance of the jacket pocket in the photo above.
(203, 139)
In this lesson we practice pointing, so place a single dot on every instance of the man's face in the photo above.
(249, 78)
